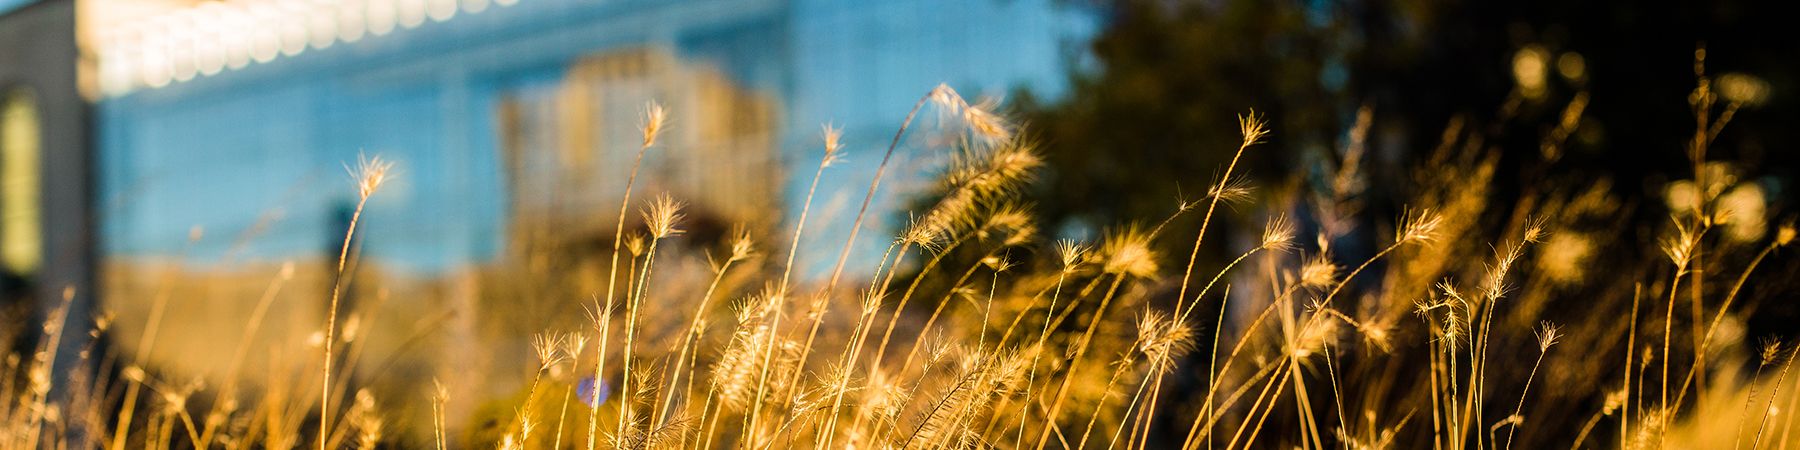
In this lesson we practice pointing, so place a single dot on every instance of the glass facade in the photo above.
(510, 118)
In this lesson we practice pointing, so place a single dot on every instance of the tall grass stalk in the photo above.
(661, 216)
(654, 117)
(817, 312)
(1087, 337)
(369, 174)
(740, 249)
(764, 392)
(1763, 422)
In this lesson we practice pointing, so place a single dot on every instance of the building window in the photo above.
(21, 219)
(568, 148)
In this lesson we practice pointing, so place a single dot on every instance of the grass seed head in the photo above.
(1547, 335)
(1278, 235)
(1377, 335)
(573, 343)
(1231, 190)
(741, 244)
(546, 345)
(1452, 329)
(634, 243)
(1680, 247)
(1163, 338)
(370, 174)
(1313, 337)
(945, 97)
(735, 371)
(833, 144)
(1318, 272)
(1418, 226)
(871, 301)
(1008, 216)
(1615, 400)
(1254, 127)
(1771, 350)
(1069, 252)
(979, 117)
(663, 215)
(833, 136)
(654, 119)
(984, 123)
(1536, 230)
(923, 233)
(1128, 252)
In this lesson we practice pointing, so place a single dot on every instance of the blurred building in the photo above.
(508, 120)
(46, 250)
(207, 143)
(46, 232)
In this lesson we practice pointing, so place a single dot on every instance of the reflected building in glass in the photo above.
(184, 162)
(516, 123)
(223, 131)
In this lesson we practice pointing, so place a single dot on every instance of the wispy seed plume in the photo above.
(741, 244)
(1278, 235)
(1771, 349)
(1547, 335)
(546, 345)
(370, 173)
(833, 142)
(1419, 225)
(980, 117)
(1318, 272)
(654, 119)
(662, 216)
(1070, 252)
(1129, 252)
(1254, 127)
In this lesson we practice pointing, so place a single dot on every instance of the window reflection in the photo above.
(21, 241)
(569, 146)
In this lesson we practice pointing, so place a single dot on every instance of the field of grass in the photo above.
(1464, 325)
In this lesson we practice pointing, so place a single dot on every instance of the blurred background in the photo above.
(181, 152)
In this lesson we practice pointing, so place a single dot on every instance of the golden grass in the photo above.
(1075, 345)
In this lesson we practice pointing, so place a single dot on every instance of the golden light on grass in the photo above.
(654, 120)
(369, 175)
(1384, 332)
(1128, 252)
